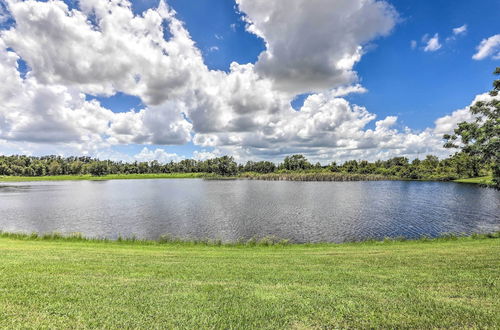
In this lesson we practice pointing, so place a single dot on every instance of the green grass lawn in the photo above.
(481, 180)
(98, 178)
(434, 284)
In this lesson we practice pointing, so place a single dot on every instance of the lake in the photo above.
(242, 209)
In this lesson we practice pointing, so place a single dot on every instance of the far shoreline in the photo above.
(298, 176)
(88, 177)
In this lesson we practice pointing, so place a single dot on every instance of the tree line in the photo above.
(458, 166)
(20, 165)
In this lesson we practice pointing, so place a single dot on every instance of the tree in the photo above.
(465, 165)
(351, 166)
(296, 162)
(75, 167)
(54, 168)
(143, 167)
(397, 161)
(259, 167)
(155, 166)
(4, 169)
(98, 168)
(334, 167)
(430, 162)
(481, 138)
(224, 166)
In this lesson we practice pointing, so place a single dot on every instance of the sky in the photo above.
(256, 79)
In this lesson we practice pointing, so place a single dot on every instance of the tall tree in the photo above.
(296, 162)
(481, 138)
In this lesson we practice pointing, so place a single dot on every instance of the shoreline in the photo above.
(252, 242)
(298, 176)
(88, 177)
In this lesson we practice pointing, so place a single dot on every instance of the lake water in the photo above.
(232, 210)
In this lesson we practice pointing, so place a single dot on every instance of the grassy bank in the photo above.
(59, 283)
(340, 176)
(485, 180)
(100, 178)
(315, 176)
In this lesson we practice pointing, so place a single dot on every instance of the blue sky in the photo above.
(421, 86)
(401, 78)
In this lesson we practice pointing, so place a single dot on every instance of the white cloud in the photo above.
(447, 124)
(460, 30)
(70, 56)
(488, 48)
(204, 155)
(413, 44)
(313, 45)
(159, 154)
(237, 101)
(161, 124)
(41, 113)
(386, 123)
(104, 48)
(457, 32)
(326, 128)
(330, 128)
(432, 44)
(33, 112)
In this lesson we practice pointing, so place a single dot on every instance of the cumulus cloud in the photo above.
(239, 101)
(161, 125)
(432, 44)
(204, 154)
(104, 47)
(329, 128)
(41, 113)
(447, 124)
(313, 45)
(100, 49)
(33, 112)
(326, 128)
(159, 154)
(488, 48)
